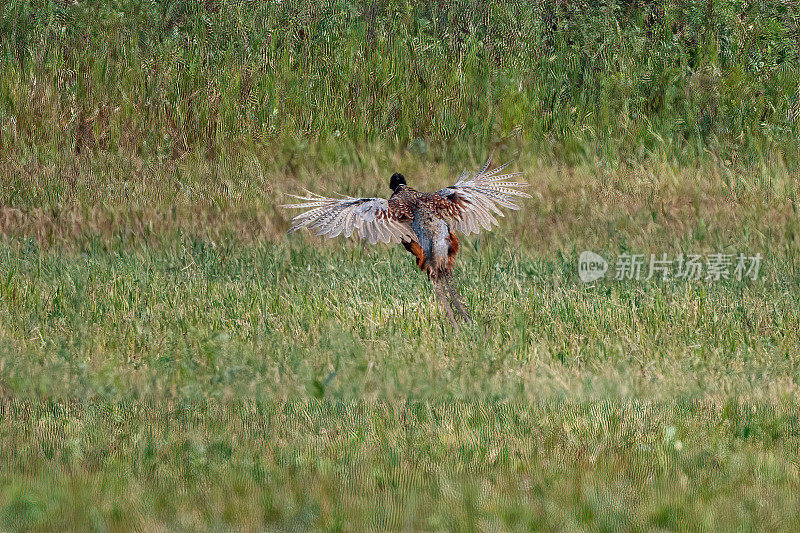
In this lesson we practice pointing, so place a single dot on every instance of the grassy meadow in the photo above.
(171, 360)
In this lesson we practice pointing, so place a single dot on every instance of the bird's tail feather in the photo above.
(455, 300)
(439, 284)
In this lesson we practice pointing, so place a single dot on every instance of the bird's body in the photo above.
(425, 223)
(435, 245)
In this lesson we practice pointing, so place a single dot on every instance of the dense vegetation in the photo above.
(579, 79)
(170, 359)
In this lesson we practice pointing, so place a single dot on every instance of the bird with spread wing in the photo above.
(424, 223)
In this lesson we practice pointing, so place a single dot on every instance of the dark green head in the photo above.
(396, 181)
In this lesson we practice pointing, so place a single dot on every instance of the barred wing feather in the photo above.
(473, 202)
(372, 218)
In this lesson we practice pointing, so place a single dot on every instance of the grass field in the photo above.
(171, 360)
(210, 372)
(344, 465)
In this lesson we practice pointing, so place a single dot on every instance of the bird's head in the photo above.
(396, 181)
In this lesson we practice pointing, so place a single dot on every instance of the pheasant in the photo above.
(424, 223)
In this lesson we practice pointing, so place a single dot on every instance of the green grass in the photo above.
(192, 367)
(167, 79)
(197, 378)
(171, 360)
(201, 319)
(352, 465)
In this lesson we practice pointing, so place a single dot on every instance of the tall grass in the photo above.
(610, 80)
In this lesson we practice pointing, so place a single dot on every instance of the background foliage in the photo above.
(576, 79)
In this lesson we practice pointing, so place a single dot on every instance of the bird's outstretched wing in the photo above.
(473, 201)
(374, 219)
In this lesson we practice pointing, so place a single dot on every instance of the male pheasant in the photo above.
(425, 223)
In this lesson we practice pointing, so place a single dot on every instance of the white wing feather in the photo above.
(476, 200)
(370, 217)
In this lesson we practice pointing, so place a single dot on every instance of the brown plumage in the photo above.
(425, 223)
